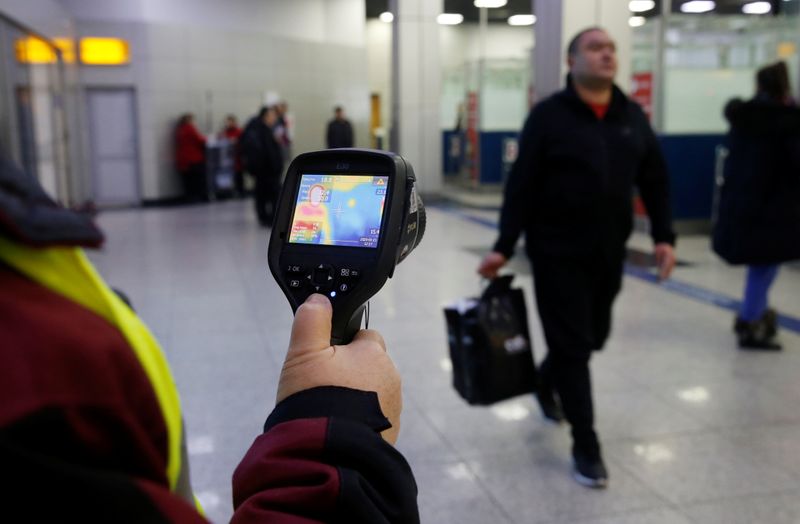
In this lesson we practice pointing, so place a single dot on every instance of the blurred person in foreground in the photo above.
(340, 130)
(232, 132)
(581, 153)
(264, 161)
(759, 208)
(90, 420)
(190, 158)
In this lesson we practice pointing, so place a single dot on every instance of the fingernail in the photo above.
(316, 298)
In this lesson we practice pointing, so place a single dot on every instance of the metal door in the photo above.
(113, 146)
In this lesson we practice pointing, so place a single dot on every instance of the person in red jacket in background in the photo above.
(190, 158)
(90, 420)
(232, 132)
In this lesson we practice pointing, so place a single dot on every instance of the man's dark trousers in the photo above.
(574, 296)
(267, 190)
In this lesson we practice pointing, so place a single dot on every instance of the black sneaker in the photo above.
(751, 343)
(589, 470)
(758, 336)
(769, 318)
(739, 325)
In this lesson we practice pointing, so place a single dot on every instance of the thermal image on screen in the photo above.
(339, 210)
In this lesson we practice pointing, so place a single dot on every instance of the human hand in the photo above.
(491, 264)
(362, 364)
(665, 259)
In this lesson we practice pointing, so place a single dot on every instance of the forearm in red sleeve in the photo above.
(322, 459)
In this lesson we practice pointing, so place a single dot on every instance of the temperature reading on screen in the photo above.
(339, 210)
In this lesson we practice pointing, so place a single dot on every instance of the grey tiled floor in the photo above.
(694, 431)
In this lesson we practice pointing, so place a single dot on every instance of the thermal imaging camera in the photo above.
(345, 219)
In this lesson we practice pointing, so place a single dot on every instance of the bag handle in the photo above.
(497, 285)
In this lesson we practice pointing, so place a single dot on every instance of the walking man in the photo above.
(581, 153)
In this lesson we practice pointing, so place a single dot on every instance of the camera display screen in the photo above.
(339, 210)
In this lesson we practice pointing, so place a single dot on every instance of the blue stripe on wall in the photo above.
(690, 160)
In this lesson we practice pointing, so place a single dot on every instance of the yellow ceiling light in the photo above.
(104, 51)
(67, 48)
(33, 50)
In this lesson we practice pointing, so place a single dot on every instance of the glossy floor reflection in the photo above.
(694, 430)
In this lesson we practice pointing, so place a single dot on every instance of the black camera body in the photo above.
(345, 219)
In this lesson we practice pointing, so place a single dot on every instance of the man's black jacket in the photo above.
(571, 188)
(261, 152)
(340, 134)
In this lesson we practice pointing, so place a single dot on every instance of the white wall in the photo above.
(332, 21)
(46, 17)
(213, 58)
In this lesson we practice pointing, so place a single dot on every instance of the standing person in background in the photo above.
(340, 131)
(190, 158)
(233, 132)
(264, 161)
(759, 208)
(571, 190)
(459, 118)
(284, 131)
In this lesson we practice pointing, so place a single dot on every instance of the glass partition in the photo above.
(32, 123)
(504, 99)
(483, 107)
(711, 59)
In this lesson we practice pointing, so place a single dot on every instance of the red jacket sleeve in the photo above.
(322, 459)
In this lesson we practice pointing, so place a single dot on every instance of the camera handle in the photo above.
(343, 330)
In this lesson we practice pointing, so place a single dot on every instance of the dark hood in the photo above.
(29, 216)
(762, 117)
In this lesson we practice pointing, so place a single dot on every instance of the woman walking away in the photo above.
(759, 212)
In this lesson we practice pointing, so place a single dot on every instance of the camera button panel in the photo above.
(321, 278)
(295, 269)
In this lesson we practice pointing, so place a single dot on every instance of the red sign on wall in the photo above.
(642, 91)
(472, 136)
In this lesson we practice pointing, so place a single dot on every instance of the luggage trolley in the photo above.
(220, 166)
